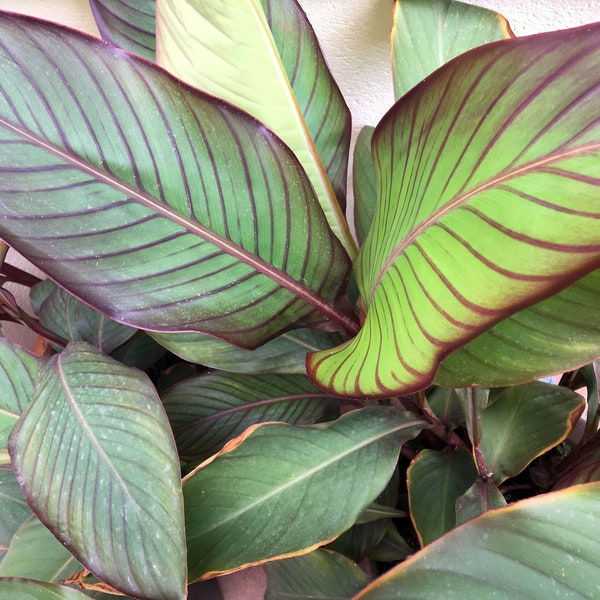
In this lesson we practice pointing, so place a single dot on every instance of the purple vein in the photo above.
(462, 199)
(195, 228)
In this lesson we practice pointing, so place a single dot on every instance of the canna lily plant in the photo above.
(229, 378)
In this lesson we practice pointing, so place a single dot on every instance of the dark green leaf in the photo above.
(128, 24)
(72, 320)
(391, 548)
(544, 547)
(160, 206)
(523, 422)
(207, 411)
(428, 33)
(489, 197)
(96, 460)
(319, 575)
(591, 376)
(34, 553)
(446, 406)
(279, 489)
(481, 496)
(435, 481)
(13, 509)
(581, 467)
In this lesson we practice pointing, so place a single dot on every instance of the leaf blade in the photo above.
(115, 501)
(435, 270)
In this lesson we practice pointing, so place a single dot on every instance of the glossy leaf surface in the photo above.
(285, 354)
(546, 547)
(207, 411)
(428, 33)
(280, 490)
(95, 457)
(523, 422)
(479, 498)
(127, 24)
(34, 553)
(263, 57)
(159, 206)
(26, 589)
(489, 200)
(319, 575)
(435, 481)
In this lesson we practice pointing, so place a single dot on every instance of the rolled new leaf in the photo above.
(158, 205)
(489, 199)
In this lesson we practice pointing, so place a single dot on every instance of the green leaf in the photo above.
(558, 334)
(544, 547)
(488, 183)
(26, 589)
(158, 205)
(435, 481)
(207, 411)
(446, 406)
(140, 351)
(428, 33)
(34, 553)
(523, 422)
(285, 354)
(364, 185)
(264, 57)
(319, 575)
(96, 460)
(73, 320)
(13, 509)
(128, 24)
(480, 497)
(280, 490)
(591, 376)
(18, 370)
(391, 548)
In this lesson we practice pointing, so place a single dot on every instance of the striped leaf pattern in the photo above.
(278, 76)
(97, 463)
(160, 206)
(128, 24)
(324, 109)
(489, 201)
(207, 411)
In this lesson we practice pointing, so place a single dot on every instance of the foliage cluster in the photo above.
(228, 378)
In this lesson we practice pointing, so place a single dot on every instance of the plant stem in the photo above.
(474, 416)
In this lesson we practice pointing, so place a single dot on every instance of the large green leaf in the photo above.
(96, 460)
(207, 411)
(363, 183)
(35, 553)
(435, 482)
(428, 33)
(18, 370)
(263, 56)
(280, 490)
(489, 198)
(128, 24)
(545, 547)
(158, 205)
(319, 575)
(523, 422)
(27, 589)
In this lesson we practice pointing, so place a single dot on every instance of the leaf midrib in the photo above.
(308, 474)
(191, 226)
(461, 199)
